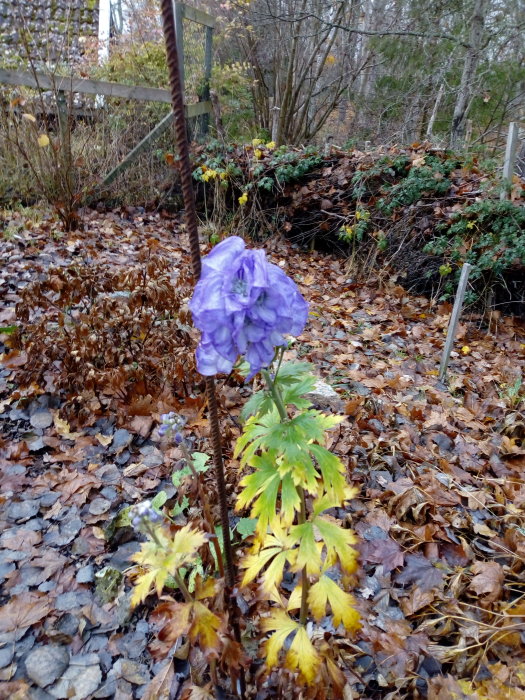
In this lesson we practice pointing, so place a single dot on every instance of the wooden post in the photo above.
(205, 118)
(63, 116)
(104, 28)
(510, 156)
(454, 319)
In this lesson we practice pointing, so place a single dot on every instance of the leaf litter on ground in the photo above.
(440, 515)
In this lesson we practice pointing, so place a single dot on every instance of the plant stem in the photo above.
(276, 395)
(305, 584)
(183, 587)
(278, 399)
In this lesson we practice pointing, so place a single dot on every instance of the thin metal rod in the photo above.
(168, 21)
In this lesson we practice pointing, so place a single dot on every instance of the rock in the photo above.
(15, 470)
(72, 600)
(85, 574)
(68, 624)
(23, 510)
(6, 655)
(133, 672)
(6, 569)
(98, 506)
(78, 681)
(41, 420)
(324, 396)
(47, 663)
(359, 389)
(48, 499)
(121, 439)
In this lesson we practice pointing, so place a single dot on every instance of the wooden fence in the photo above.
(60, 85)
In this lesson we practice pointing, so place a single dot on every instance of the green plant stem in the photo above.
(183, 587)
(278, 399)
(276, 395)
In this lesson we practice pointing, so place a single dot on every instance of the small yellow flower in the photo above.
(243, 198)
(471, 224)
(209, 174)
(224, 175)
(258, 153)
(465, 349)
(270, 145)
(256, 142)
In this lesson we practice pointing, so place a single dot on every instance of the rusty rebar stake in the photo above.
(177, 102)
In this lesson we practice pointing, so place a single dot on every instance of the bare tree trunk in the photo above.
(477, 24)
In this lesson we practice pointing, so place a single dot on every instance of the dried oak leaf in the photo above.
(488, 580)
(421, 571)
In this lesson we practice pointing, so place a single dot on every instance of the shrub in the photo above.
(120, 332)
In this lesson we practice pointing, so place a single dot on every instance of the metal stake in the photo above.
(454, 319)
(168, 21)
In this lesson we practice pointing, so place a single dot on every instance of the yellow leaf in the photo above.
(465, 349)
(243, 198)
(142, 588)
(205, 626)
(104, 439)
(256, 142)
(165, 556)
(342, 603)
(303, 655)
(43, 140)
(29, 117)
(63, 429)
(270, 145)
(281, 625)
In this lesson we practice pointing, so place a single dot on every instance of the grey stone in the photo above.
(6, 655)
(98, 506)
(85, 574)
(5, 569)
(48, 499)
(108, 689)
(325, 396)
(68, 624)
(47, 586)
(109, 492)
(121, 439)
(41, 420)
(359, 389)
(23, 510)
(78, 682)
(36, 445)
(109, 474)
(15, 470)
(72, 600)
(46, 663)
(39, 694)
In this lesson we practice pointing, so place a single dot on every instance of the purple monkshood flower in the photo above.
(243, 305)
(143, 514)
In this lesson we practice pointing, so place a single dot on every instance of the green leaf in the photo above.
(200, 461)
(333, 471)
(338, 542)
(259, 403)
(7, 330)
(246, 527)
(309, 554)
(179, 508)
(159, 500)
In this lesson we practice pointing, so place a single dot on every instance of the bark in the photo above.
(466, 85)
